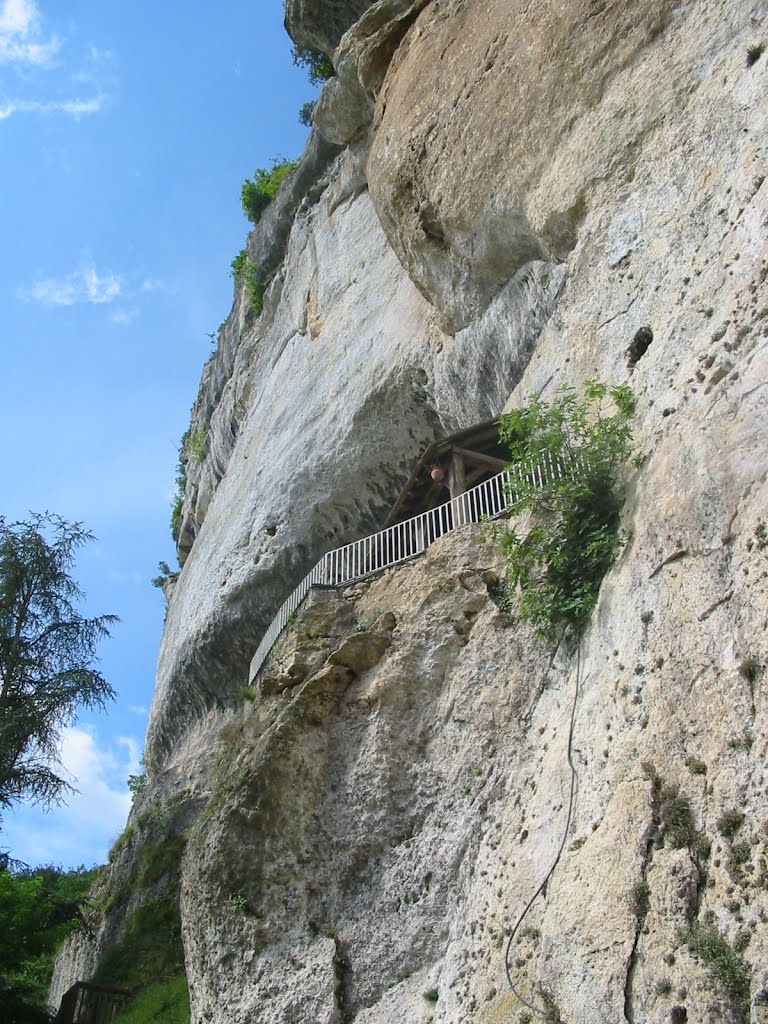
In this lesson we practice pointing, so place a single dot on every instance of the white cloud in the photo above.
(124, 317)
(74, 108)
(82, 829)
(20, 38)
(156, 284)
(97, 66)
(84, 285)
(27, 48)
(17, 17)
(138, 709)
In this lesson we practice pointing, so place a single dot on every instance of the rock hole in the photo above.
(271, 529)
(431, 226)
(638, 347)
(678, 1015)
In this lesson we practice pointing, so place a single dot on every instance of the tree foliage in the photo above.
(38, 909)
(319, 65)
(47, 654)
(557, 564)
(306, 112)
(257, 193)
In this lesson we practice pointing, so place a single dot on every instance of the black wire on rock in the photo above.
(521, 918)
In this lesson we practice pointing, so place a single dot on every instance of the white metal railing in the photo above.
(405, 540)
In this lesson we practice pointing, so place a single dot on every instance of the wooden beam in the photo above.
(486, 460)
(457, 483)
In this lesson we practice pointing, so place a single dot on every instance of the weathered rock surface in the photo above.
(546, 180)
(320, 24)
(385, 827)
(346, 105)
(499, 122)
(315, 413)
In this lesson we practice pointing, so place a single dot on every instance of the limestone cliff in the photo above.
(495, 198)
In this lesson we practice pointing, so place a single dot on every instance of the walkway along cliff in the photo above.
(496, 198)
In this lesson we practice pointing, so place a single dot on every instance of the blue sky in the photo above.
(126, 131)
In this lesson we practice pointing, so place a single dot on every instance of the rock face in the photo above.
(314, 415)
(320, 24)
(545, 182)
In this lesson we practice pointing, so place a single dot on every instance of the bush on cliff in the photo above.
(319, 66)
(557, 564)
(257, 193)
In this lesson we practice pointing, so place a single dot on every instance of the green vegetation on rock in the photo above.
(248, 274)
(167, 1002)
(149, 951)
(721, 960)
(557, 564)
(318, 65)
(257, 193)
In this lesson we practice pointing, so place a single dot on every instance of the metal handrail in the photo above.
(362, 558)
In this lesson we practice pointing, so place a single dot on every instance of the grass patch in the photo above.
(721, 960)
(149, 951)
(167, 1002)
(750, 668)
(160, 859)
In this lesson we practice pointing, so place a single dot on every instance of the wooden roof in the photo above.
(422, 493)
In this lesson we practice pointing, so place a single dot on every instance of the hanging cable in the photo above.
(521, 918)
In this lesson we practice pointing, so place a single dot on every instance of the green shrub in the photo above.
(149, 951)
(160, 859)
(256, 194)
(197, 445)
(254, 288)
(319, 65)
(166, 1002)
(431, 995)
(741, 853)
(640, 898)
(238, 902)
(305, 113)
(695, 765)
(676, 816)
(238, 265)
(248, 274)
(181, 486)
(730, 822)
(164, 575)
(574, 536)
(721, 960)
(176, 507)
